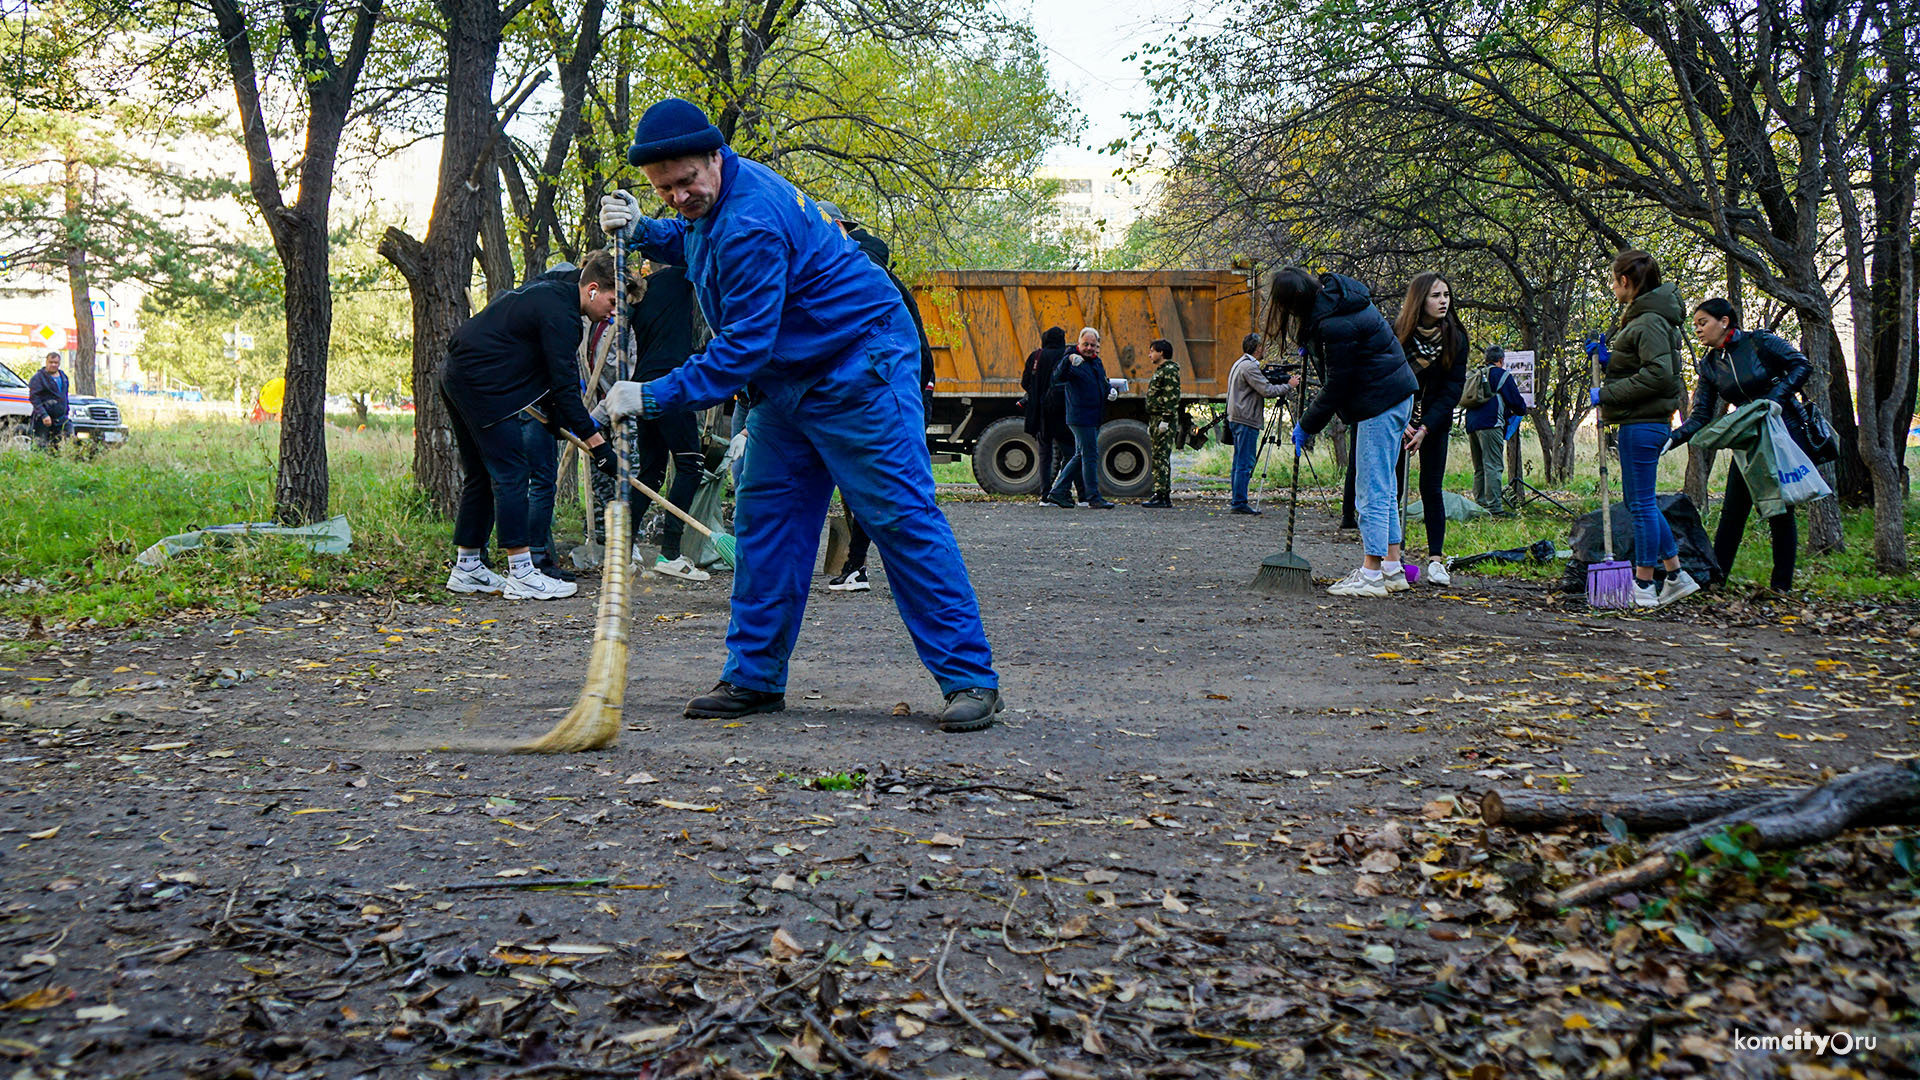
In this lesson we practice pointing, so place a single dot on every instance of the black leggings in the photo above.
(677, 436)
(1734, 511)
(1433, 473)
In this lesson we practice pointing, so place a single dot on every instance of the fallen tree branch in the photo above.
(1533, 811)
(840, 1050)
(1796, 820)
(955, 789)
(1058, 1072)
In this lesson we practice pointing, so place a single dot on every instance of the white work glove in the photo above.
(1666, 446)
(626, 399)
(1112, 393)
(737, 446)
(1163, 427)
(1076, 359)
(618, 210)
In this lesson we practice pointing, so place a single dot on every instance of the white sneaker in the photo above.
(1645, 595)
(534, 585)
(1356, 584)
(481, 580)
(1436, 572)
(679, 567)
(1679, 586)
(854, 580)
(1395, 580)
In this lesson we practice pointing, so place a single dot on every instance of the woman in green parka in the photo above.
(1640, 394)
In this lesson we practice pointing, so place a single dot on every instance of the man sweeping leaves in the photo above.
(822, 340)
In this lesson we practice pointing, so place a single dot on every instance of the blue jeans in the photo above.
(1086, 458)
(493, 496)
(1246, 447)
(1376, 478)
(543, 464)
(860, 426)
(1653, 541)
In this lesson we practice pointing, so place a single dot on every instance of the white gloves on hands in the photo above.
(737, 446)
(618, 210)
(626, 399)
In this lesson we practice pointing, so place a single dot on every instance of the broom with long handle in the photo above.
(594, 720)
(1609, 583)
(724, 543)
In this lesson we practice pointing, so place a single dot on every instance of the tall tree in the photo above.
(325, 78)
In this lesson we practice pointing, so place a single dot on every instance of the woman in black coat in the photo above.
(1436, 346)
(1046, 418)
(1740, 367)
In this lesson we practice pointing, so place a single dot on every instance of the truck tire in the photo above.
(1006, 460)
(1126, 469)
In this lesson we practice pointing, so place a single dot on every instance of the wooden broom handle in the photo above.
(643, 489)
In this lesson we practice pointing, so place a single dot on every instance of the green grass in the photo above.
(75, 522)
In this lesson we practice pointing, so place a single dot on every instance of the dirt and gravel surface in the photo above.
(1215, 834)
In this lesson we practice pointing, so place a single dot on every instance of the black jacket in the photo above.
(1037, 379)
(520, 351)
(662, 324)
(1440, 391)
(1759, 365)
(1350, 340)
(48, 396)
(882, 256)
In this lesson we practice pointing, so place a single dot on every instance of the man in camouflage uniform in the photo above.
(1163, 420)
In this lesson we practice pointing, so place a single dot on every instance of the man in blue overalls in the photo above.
(803, 315)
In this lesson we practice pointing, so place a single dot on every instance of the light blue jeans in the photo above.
(1376, 472)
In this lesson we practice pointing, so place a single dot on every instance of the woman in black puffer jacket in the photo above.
(1437, 350)
(1740, 367)
(1370, 386)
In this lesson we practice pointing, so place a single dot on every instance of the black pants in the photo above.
(48, 436)
(494, 495)
(1734, 511)
(1433, 473)
(857, 545)
(676, 437)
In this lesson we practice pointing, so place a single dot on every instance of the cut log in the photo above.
(1535, 811)
(1795, 820)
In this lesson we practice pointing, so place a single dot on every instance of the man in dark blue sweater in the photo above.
(47, 392)
(1490, 425)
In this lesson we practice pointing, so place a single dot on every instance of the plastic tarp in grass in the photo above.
(1459, 507)
(330, 537)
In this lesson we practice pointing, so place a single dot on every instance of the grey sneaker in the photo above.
(1678, 587)
(1396, 581)
(1356, 584)
(481, 580)
(971, 710)
(534, 585)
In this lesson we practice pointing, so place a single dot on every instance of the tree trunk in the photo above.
(496, 254)
(360, 407)
(439, 269)
(1821, 348)
(300, 492)
(78, 284)
(1540, 811)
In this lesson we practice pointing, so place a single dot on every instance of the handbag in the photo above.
(1816, 435)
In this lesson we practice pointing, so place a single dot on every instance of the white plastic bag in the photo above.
(1800, 481)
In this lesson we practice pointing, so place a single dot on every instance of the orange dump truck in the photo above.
(983, 323)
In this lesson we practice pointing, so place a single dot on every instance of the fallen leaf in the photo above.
(641, 778)
(909, 1027)
(675, 804)
(941, 839)
(1380, 862)
(785, 883)
(647, 1035)
(158, 747)
(902, 709)
(1378, 954)
(784, 947)
(1172, 903)
(47, 835)
(45, 997)
(1586, 960)
(100, 1012)
(1100, 877)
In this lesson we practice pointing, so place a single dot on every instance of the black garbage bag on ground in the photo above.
(1696, 547)
(1539, 551)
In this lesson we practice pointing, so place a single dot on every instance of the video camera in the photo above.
(1278, 373)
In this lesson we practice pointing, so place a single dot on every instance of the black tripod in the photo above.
(1520, 493)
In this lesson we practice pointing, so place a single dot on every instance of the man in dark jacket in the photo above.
(518, 352)
(1088, 392)
(663, 339)
(47, 393)
(1490, 426)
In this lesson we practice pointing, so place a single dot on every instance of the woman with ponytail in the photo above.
(1437, 350)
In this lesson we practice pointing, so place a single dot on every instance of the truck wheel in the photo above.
(1126, 470)
(1006, 460)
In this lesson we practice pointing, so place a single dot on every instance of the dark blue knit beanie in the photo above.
(673, 128)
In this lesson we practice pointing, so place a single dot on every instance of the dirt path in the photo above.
(211, 871)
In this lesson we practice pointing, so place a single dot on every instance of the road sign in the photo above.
(99, 308)
(243, 341)
(1520, 366)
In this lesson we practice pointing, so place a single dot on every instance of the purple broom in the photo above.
(1609, 583)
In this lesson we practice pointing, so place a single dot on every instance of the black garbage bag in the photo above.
(1696, 547)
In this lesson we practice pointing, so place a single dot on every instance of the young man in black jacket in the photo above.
(518, 352)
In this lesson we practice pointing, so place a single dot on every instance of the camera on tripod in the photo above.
(1278, 373)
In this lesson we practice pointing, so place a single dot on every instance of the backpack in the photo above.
(1479, 388)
